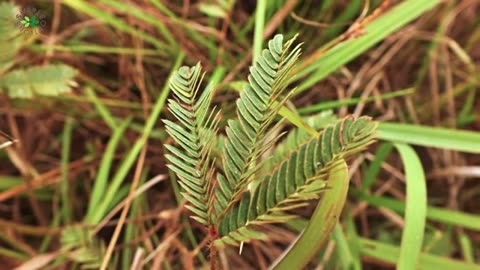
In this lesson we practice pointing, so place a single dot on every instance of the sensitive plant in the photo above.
(249, 188)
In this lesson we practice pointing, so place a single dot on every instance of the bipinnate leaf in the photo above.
(294, 181)
(51, 80)
(194, 133)
(247, 136)
(296, 137)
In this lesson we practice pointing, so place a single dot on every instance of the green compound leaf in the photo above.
(299, 178)
(49, 80)
(298, 136)
(257, 106)
(195, 135)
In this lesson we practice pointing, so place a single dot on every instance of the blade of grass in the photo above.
(296, 120)
(342, 249)
(47, 240)
(415, 209)
(260, 14)
(162, 8)
(101, 181)
(131, 228)
(468, 107)
(353, 101)
(121, 25)
(104, 101)
(101, 108)
(353, 243)
(13, 254)
(321, 224)
(459, 140)
(371, 174)
(375, 31)
(390, 254)
(66, 144)
(433, 47)
(12, 182)
(93, 48)
(438, 214)
(466, 247)
(9, 181)
(198, 37)
(142, 15)
(130, 158)
(348, 14)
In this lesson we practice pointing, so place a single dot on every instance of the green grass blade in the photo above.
(131, 229)
(415, 210)
(371, 174)
(466, 247)
(438, 214)
(296, 120)
(342, 249)
(326, 105)
(47, 240)
(121, 25)
(390, 254)
(94, 48)
(101, 180)
(130, 158)
(321, 223)
(376, 31)
(142, 15)
(459, 140)
(66, 144)
(348, 14)
(260, 14)
(101, 108)
(353, 243)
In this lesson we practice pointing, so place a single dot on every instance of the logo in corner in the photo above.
(31, 20)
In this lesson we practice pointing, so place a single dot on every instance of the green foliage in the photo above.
(297, 172)
(297, 137)
(301, 177)
(195, 135)
(82, 247)
(10, 37)
(247, 136)
(49, 80)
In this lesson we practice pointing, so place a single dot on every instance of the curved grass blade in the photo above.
(321, 224)
(416, 209)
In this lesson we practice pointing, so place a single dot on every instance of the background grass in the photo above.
(86, 183)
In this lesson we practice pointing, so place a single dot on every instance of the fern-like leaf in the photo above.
(257, 106)
(194, 134)
(295, 180)
(296, 137)
(49, 80)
